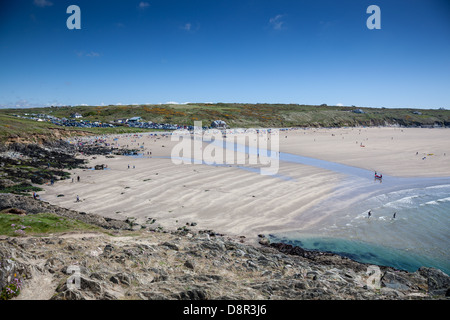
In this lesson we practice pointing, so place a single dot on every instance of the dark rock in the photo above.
(15, 211)
(397, 281)
(213, 246)
(153, 296)
(438, 281)
(208, 277)
(312, 275)
(89, 289)
(189, 264)
(170, 246)
(298, 251)
(121, 278)
(194, 294)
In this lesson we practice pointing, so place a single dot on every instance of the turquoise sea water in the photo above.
(361, 251)
(418, 235)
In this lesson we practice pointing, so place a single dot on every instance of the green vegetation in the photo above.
(12, 289)
(12, 127)
(235, 114)
(15, 127)
(22, 189)
(39, 224)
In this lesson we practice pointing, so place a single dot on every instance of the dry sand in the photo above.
(393, 151)
(234, 201)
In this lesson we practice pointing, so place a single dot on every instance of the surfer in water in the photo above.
(369, 214)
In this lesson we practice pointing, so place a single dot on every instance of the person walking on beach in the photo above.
(78, 178)
(78, 198)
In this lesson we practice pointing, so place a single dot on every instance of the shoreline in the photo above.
(180, 195)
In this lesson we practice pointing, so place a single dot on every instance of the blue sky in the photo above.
(248, 51)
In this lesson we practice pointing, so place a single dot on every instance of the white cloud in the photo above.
(339, 104)
(187, 27)
(42, 3)
(143, 5)
(276, 22)
(190, 27)
(93, 54)
(22, 104)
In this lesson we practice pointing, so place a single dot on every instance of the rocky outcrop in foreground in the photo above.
(195, 265)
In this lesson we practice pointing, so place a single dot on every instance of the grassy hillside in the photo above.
(236, 115)
(37, 224)
(18, 129)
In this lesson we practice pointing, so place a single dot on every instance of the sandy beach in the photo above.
(398, 152)
(235, 201)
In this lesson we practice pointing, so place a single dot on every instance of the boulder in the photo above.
(193, 294)
(438, 281)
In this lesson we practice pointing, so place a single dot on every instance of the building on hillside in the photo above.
(125, 120)
(219, 124)
(135, 119)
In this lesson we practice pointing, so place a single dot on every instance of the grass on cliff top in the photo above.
(40, 224)
(14, 127)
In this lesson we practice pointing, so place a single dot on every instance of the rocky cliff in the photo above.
(196, 265)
